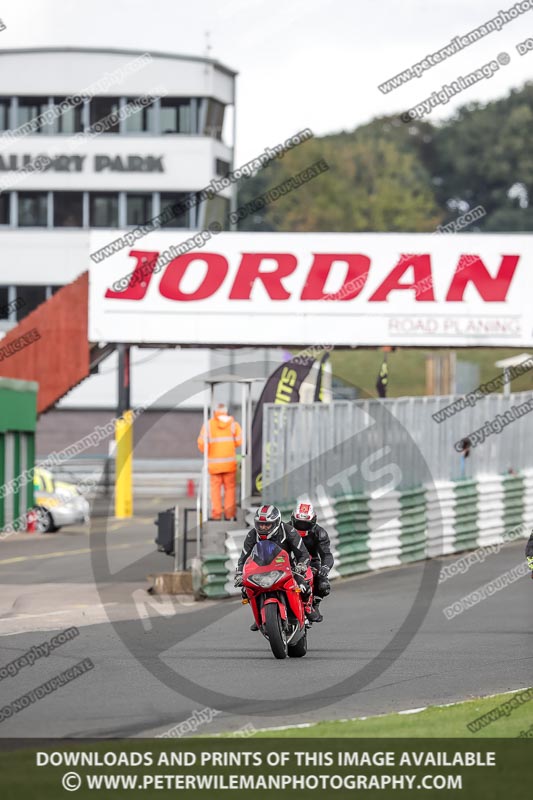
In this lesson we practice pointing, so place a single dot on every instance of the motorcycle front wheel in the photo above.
(299, 649)
(275, 632)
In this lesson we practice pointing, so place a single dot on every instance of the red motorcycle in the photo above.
(276, 599)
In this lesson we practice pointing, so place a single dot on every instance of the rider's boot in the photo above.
(310, 612)
(315, 615)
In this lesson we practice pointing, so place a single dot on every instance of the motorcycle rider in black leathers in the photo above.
(529, 553)
(316, 540)
(268, 525)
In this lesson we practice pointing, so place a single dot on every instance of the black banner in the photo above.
(319, 393)
(283, 386)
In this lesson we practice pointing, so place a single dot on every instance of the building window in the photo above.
(4, 113)
(4, 302)
(32, 209)
(222, 167)
(104, 210)
(68, 209)
(176, 116)
(215, 119)
(29, 108)
(4, 208)
(101, 107)
(180, 217)
(138, 119)
(138, 209)
(70, 120)
(29, 297)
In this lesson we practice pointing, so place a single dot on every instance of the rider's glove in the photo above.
(238, 579)
(301, 569)
(530, 562)
(323, 571)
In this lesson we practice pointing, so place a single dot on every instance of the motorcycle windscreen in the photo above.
(265, 552)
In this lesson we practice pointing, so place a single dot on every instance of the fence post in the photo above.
(177, 567)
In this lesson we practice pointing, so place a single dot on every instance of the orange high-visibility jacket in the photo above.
(224, 436)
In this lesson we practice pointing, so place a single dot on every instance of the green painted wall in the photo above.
(18, 418)
(18, 405)
(2, 477)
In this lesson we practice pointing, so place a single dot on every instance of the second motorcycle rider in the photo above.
(316, 541)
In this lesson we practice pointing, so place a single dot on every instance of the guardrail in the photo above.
(369, 532)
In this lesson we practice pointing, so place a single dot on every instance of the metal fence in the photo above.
(374, 446)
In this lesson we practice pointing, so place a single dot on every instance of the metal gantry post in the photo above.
(177, 554)
(248, 487)
(205, 499)
(245, 466)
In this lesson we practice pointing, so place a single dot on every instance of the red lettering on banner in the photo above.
(217, 269)
(356, 275)
(472, 269)
(140, 277)
(422, 282)
(249, 271)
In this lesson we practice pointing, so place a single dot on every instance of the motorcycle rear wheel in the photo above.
(275, 632)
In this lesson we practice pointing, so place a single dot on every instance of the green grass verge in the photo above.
(21, 778)
(407, 368)
(449, 722)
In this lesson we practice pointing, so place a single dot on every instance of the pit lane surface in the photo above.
(155, 664)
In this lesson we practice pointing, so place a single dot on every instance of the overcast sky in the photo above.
(301, 63)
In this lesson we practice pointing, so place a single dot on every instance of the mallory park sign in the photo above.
(77, 163)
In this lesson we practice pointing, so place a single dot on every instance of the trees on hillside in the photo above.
(389, 176)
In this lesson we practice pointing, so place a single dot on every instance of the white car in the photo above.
(58, 503)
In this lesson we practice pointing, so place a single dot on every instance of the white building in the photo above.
(172, 143)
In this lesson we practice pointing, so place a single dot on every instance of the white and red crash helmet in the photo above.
(267, 521)
(303, 518)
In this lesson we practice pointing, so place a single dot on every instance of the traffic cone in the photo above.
(31, 521)
(191, 490)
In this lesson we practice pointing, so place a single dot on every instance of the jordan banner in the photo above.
(261, 289)
(283, 386)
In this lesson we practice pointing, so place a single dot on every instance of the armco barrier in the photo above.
(234, 543)
(353, 526)
(440, 516)
(470, 514)
(513, 499)
(491, 522)
(527, 518)
(466, 510)
(372, 532)
(215, 576)
(413, 525)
